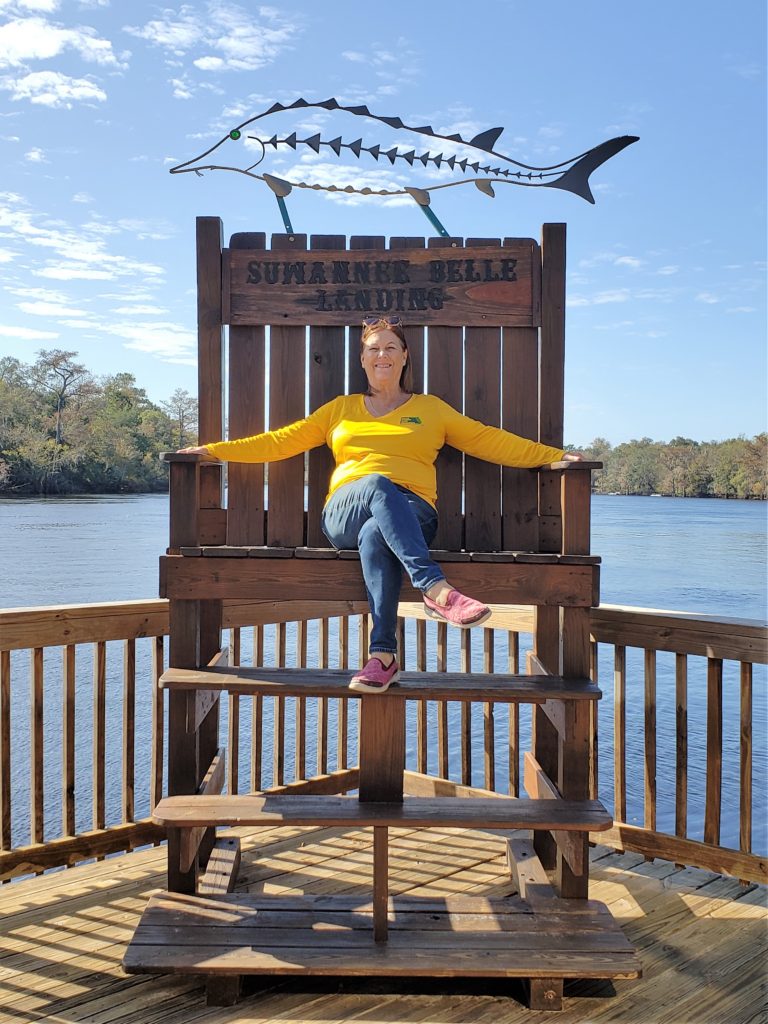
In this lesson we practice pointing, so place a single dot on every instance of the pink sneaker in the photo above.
(459, 610)
(374, 677)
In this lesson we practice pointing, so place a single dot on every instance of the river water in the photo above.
(694, 555)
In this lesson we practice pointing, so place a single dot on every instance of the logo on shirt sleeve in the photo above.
(410, 419)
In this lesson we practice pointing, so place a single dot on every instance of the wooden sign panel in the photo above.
(478, 286)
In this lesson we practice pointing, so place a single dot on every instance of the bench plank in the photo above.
(419, 685)
(415, 812)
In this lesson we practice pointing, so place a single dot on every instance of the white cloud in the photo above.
(53, 89)
(42, 308)
(25, 39)
(741, 309)
(668, 270)
(354, 56)
(36, 156)
(166, 340)
(73, 273)
(26, 333)
(7, 256)
(708, 297)
(43, 6)
(629, 261)
(140, 310)
(229, 38)
(82, 197)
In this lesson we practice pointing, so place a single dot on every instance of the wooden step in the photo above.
(478, 686)
(414, 812)
(257, 934)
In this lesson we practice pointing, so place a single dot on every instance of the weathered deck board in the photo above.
(701, 938)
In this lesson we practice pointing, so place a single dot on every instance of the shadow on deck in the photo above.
(702, 939)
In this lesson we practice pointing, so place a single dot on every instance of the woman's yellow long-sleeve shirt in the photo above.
(402, 445)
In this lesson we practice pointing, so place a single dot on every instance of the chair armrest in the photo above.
(187, 457)
(569, 466)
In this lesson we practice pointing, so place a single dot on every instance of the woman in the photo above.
(382, 494)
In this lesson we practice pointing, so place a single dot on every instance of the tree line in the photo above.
(683, 468)
(65, 431)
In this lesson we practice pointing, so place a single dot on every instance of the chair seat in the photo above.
(263, 551)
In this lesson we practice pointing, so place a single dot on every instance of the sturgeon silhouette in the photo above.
(571, 175)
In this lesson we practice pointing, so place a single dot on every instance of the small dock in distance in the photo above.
(702, 938)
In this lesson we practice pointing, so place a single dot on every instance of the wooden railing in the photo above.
(81, 743)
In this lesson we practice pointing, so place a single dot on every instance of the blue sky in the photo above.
(666, 310)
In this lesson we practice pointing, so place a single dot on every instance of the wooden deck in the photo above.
(701, 938)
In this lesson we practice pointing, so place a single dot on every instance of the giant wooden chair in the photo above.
(486, 332)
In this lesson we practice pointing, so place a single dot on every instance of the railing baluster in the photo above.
(342, 726)
(99, 732)
(442, 706)
(5, 751)
(513, 742)
(465, 659)
(681, 745)
(129, 730)
(745, 759)
(649, 818)
(233, 744)
(36, 748)
(68, 741)
(158, 722)
(300, 723)
(620, 733)
(278, 731)
(322, 702)
(257, 714)
(422, 738)
(714, 750)
(594, 672)
(488, 715)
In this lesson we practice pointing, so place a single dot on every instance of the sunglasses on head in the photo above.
(378, 321)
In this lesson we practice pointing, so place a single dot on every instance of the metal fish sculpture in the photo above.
(571, 175)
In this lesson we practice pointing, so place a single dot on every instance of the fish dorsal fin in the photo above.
(487, 139)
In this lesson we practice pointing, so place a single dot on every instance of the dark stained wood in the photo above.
(620, 733)
(513, 732)
(380, 883)
(209, 240)
(6, 840)
(545, 993)
(245, 515)
(185, 504)
(99, 733)
(539, 786)
(499, 812)
(308, 579)
(520, 415)
(287, 356)
(552, 359)
(526, 869)
(649, 773)
(326, 381)
(489, 731)
(442, 686)
(681, 746)
(415, 333)
(714, 751)
(158, 722)
(495, 288)
(129, 733)
(183, 748)
(357, 382)
(745, 758)
(575, 490)
(36, 743)
(382, 748)
(544, 739)
(67, 740)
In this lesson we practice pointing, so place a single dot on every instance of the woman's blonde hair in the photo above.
(406, 376)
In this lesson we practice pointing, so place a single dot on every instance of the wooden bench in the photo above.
(507, 536)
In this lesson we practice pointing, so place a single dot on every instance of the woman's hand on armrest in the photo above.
(573, 457)
(199, 449)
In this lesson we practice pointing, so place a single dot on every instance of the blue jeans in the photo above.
(392, 527)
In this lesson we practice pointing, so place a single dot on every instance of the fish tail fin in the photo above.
(576, 178)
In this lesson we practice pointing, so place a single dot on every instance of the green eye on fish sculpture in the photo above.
(571, 175)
